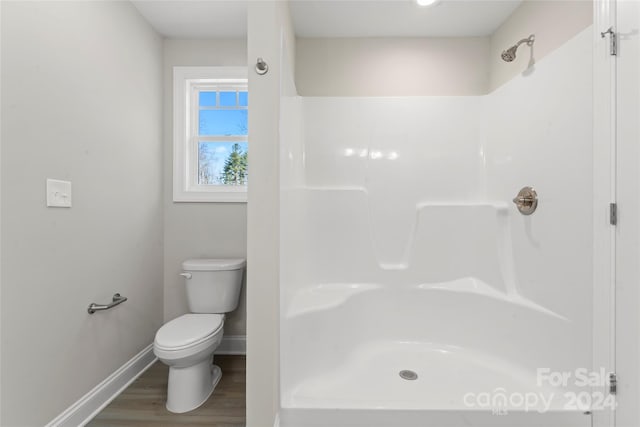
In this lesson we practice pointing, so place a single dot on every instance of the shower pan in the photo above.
(436, 254)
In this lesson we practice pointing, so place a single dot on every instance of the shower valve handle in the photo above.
(526, 201)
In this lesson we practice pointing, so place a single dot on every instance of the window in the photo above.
(210, 134)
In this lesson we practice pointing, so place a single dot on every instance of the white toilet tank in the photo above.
(213, 285)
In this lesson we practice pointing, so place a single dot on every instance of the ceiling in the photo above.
(205, 19)
(397, 18)
(196, 19)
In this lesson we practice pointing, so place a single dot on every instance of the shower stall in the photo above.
(436, 252)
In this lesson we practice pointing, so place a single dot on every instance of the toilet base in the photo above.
(190, 387)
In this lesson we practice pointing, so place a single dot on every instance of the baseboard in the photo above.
(233, 344)
(83, 411)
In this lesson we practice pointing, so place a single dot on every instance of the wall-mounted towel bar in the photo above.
(117, 299)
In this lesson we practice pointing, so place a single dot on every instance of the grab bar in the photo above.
(117, 299)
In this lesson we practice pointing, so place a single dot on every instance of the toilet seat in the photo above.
(188, 331)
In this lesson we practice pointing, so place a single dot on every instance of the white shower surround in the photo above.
(401, 249)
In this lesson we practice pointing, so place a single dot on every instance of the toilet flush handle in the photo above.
(186, 275)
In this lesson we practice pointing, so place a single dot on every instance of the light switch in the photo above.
(58, 193)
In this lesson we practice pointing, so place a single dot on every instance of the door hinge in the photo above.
(613, 383)
(613, 213)
(613, 41)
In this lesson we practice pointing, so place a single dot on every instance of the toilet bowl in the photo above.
(187, 344)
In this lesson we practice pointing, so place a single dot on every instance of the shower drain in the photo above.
(408, 375)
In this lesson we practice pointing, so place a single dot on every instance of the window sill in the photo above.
(211, 197)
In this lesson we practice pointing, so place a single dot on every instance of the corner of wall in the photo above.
(268, 23)
(553, 22)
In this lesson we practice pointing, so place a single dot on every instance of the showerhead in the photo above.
(510, 54)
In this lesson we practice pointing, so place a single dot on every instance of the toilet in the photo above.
(187, 343)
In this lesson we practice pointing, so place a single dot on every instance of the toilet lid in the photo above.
(188, 329)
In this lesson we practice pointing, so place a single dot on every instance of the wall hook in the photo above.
(613, 40)
(261, 67)
(609, 31)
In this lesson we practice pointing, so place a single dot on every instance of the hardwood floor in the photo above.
(142, 403)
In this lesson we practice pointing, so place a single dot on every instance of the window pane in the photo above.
(207, 99)
(223, 122)
(228, 99)
(222, 163)
(244, 98)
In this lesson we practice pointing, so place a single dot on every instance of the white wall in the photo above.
(0, 218)
(401, 152)
(392, 66)
(553, 22)
(292, 205)
(269, 33)
(627, 232)
(81, 101)
(604, 193)
(539, 134)
(396, 152)
(198, 230)
(436, 66)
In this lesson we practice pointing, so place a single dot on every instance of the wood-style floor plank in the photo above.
(142, 403)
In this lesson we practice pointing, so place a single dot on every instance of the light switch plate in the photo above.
(58, 193)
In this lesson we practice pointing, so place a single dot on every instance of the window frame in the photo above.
(187, 81)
